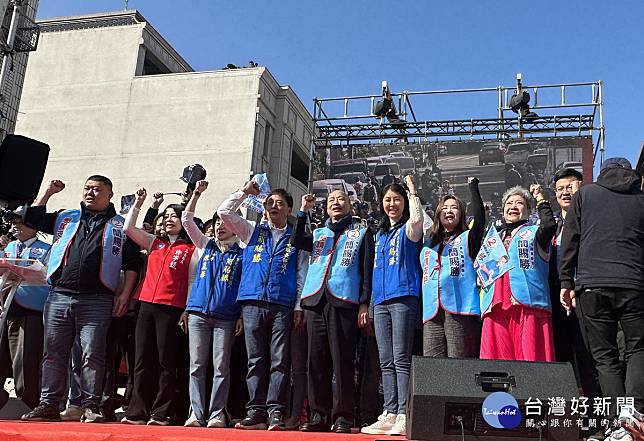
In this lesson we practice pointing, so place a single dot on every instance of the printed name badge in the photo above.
(492, 261)
(353, 234)
(256, 203)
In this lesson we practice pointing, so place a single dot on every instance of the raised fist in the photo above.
(4, 241)
(55, 186)
(409, 182)
(251, 187)
(141, 194)
(308, 202)
(157, 199)
(200, 187)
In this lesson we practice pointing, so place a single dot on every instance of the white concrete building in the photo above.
(111, 96)
(12, 82)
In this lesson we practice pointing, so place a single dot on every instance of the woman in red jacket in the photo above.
(162, 300)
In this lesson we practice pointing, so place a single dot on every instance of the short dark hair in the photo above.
(283, 193)
(567, 173)
(100, 178)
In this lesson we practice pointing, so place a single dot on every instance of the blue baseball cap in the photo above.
(616, 162)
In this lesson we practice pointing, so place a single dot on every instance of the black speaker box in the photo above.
(443, 389)
(22, 167)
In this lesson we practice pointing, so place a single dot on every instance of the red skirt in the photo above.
(512, 331)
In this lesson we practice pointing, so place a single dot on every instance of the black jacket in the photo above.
(79, 273)
(602, 245)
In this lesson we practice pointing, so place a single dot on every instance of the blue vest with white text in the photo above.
(30, 296)
(214, 291)
(529, 275)
(449, 279)
(268, 274)
(113, 240)
(337, 267)
(396, 272)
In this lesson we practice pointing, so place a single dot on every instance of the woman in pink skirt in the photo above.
(516, 308)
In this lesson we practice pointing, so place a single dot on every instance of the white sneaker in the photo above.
(218, 421)
(620, 434)
(192, 422)
(399, 426)
(384, 424)
(126, 420)
(629, 414)
(72, 413)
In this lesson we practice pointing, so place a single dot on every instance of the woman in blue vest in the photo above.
(212, 315)
(396, 288)
(516, 308)
(451, 324)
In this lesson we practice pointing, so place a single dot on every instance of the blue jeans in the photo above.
(75, 374)
(206, 336)
(66, 317)
(267, 329)
(395, 322)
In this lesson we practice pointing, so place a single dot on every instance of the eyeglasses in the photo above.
(561, 189)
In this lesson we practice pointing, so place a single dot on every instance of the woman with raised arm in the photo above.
(396, 289)
(212, 315)
(451, 324)
(516, 308)
(162, 300)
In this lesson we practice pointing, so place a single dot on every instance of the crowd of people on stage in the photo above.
(309, 322)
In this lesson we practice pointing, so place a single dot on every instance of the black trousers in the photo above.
(571, 345)
(238, 395)
(155, 365)
(602, 310)
(369, 398)
(333, 334)
(21, 347)
(116, 337)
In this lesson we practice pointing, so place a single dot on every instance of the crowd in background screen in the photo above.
(308, 319)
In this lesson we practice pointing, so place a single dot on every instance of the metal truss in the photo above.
(337, 123)
(578, 124)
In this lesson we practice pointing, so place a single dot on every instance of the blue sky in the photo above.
(337, 48)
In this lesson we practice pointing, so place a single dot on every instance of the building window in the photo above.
(299, 165)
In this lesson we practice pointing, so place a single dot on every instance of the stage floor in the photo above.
(16, 430)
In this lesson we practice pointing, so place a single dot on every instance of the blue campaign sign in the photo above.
(256, 203)
(492, 261)
(127, 202)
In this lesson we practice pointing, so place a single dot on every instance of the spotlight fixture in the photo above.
(520, 103)
(385, 108)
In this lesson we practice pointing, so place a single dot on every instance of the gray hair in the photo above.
(518, 191)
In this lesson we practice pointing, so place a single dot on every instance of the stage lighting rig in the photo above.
(385, 108)
(520, 103)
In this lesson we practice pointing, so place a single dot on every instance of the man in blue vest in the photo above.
(21, 344)
(273, 272)
(336, 295)
(89, 252)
